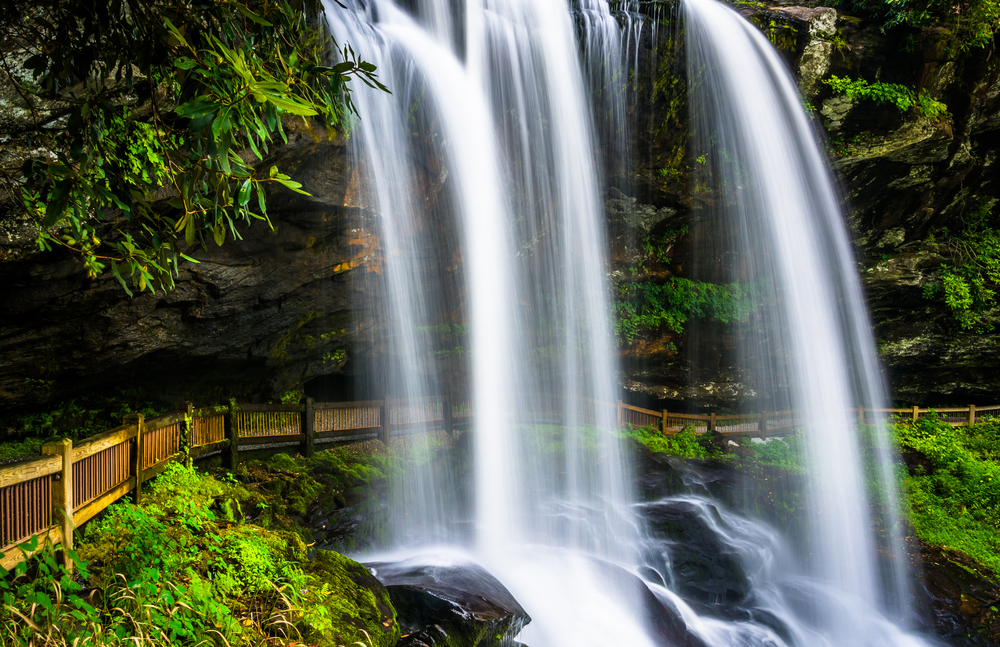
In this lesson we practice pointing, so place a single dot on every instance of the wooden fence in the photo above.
(49, 495)
(781, 423)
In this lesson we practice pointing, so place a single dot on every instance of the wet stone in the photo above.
(458, 605)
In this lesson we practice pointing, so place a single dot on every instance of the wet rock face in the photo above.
(906, 177)
(450, 606)
(705, 568)
(963, 602)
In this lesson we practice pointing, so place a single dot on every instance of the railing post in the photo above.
(384, 413)
(664, 422)
(711, 422)
(619, 418)
(139, 421)
(231, 455)
(916, 413)
(861, 415)
(62, 494)
(972, 414)
(763, 425)
(187, 428)
(309, 428)
(449, 422)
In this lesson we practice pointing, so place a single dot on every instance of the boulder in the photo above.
(358, 607)
(458, 605)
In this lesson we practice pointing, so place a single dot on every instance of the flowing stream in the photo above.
(483, 175)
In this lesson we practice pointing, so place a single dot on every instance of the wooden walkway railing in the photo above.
(49, 495)
(782, 423)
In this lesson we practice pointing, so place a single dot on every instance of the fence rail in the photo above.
(67, 486)
(49, 495)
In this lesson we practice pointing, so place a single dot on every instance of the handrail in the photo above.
(105, 467)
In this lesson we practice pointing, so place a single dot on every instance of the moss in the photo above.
(350, 604)
(280, 349)
(190, 529)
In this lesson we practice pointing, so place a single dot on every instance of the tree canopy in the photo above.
(141, 109)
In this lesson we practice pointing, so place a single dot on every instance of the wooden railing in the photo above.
(49, 495)
(782, 423)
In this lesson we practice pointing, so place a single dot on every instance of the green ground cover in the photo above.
(207, 559)
(953, 486)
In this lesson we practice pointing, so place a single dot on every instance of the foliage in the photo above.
(684, 444)
(902, 97)
(954, 485)
(968, 283)
(785, 453)
(973, 23)
(142, 101)
(650, 306)
(21, 449)
(75, 418)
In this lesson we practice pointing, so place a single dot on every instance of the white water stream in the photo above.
(487, 149)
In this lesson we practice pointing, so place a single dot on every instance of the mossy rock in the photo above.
(351, 606)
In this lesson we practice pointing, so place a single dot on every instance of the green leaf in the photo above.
(294, 186)
(176, 33)
(196, 108)
(252, 16)
(58, 198)
(244, 195)
(219, 233)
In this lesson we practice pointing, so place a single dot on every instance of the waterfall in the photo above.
(494, 95)
(815, 354)
(484, 184)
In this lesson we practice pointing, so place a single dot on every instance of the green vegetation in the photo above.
(650, 306)
(968, 283)
(972, 23)
(143, 100)
(76, 418)
(188, 568)
(953, 486)
(684, 444)
(784, 453)
(902, 97)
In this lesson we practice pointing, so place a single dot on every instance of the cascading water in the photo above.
(483, 159)
(495, 95)
(815, 354)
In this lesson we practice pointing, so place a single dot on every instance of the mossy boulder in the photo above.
(351, 606)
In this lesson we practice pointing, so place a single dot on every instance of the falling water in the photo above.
(493, 99)
(481, 173)
(763, 159)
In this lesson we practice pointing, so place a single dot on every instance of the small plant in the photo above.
(651, 306)
(902, 97)
(968, 283)
(684, 444)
